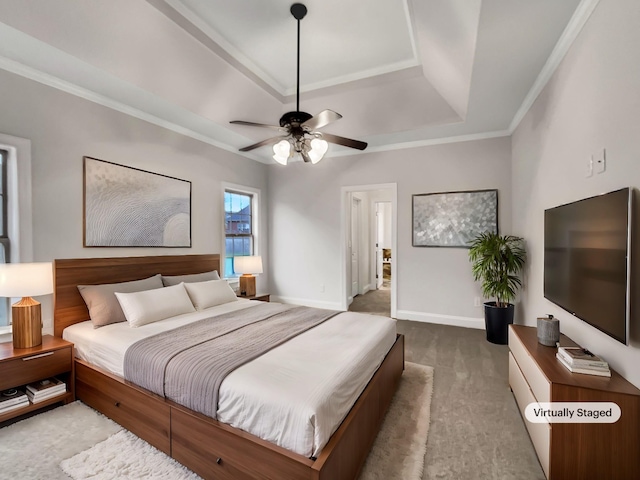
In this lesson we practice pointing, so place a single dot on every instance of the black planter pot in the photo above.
(497, 320)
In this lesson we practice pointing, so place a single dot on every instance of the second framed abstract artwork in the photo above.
(453, 219)
(128, 207)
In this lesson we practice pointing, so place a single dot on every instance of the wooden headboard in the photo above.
(68, 305)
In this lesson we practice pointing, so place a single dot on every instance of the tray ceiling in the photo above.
(402, 72)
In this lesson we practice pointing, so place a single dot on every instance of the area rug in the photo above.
(35, 448)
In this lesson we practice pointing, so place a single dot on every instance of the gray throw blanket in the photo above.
(188, 364)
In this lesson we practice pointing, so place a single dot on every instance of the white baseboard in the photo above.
(456, 321)
(307, 302)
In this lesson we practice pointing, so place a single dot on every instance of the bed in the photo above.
(214, 448)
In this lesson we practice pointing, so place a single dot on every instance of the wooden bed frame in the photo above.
(210, 448)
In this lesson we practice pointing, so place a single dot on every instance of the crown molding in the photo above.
(73, 89)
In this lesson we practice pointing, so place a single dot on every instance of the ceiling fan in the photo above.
(300, 128)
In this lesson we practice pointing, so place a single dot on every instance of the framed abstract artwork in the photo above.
(453, 219)
(128, 207)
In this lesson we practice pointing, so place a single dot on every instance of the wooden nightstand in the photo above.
(262, 297)
(21, 366)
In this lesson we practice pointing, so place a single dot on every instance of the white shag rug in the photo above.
(33, 448)
(47, 446)
(124, 455)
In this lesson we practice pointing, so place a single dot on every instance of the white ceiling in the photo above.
(340, 41)
(402, 72)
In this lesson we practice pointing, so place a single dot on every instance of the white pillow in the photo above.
(209, 294)
(150, 306)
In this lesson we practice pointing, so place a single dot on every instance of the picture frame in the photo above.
(128, 207)
(453, 219)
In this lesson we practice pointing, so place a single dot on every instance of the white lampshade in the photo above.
(281, 152)
(25, 279)
(252, 264)
(318, 149)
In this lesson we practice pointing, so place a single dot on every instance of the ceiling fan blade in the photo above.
(262, 125)
(347, 142)
(268, 141)
(325, 117)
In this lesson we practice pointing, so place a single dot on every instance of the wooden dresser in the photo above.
(574, 450)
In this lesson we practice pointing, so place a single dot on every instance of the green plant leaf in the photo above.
(497, 261)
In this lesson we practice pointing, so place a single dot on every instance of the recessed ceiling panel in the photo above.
(340, 41)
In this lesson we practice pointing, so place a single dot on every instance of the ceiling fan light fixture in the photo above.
(282, 152)
(299, 126)
(318, 148)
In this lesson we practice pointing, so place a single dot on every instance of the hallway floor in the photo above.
(374, 301)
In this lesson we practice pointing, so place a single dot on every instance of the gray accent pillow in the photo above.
(102, 303)
(193, 278)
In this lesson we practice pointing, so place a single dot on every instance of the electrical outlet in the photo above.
(589, 171)
(322, 288)
(477, 302)
(600, 161)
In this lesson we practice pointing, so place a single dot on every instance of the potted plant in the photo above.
(497, 261)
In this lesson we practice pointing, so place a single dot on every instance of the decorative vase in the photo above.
(548, 331)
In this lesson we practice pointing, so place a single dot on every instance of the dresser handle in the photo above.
(37, 356)
(219, 461)
(117, 404)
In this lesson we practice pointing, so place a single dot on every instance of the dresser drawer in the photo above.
(203, 453)
(538, 383)
(31, 368)
(540, 433)
(214, 452)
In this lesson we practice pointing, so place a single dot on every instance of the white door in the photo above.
(355, 246)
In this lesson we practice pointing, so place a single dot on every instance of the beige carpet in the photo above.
(398, 452)
(374, 301)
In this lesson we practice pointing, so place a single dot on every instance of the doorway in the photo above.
(369, 219)
(384, 258)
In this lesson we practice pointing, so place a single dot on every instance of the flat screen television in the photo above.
(586, 260)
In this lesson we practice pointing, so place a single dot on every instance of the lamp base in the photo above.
(27, 323)
(247, 285)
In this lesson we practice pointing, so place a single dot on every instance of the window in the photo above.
(5, 253)
(238, 226)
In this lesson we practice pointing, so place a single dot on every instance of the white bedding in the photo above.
(295, 395)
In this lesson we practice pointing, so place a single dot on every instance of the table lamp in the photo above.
(26, 280)
(248, 266)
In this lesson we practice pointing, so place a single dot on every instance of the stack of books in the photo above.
(45, 389)
(581, 360)
(12, 399)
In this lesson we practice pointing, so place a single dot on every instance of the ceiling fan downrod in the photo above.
(301, 128)
(298, 10)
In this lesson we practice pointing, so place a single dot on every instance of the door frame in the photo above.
(356, 239)
(345, 234)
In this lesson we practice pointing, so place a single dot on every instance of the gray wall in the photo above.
(434, 284)
(591, 102)
(64, 128)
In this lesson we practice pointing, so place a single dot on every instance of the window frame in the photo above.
(4, 220)
(19, 208)
(5, 241)
(254, 195)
